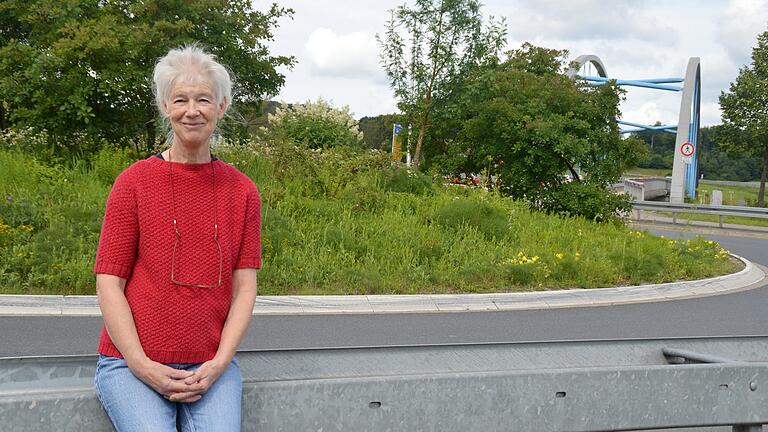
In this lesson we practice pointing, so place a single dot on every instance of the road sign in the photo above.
(397, 143)
(687, 160)
(687, 149)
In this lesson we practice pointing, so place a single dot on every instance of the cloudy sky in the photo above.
(338, 56)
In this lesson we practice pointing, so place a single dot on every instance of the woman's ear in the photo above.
(223, 106)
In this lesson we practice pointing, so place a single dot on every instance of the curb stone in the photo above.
(747, 278)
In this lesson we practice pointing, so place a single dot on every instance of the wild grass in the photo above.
(645, 172)
(344, 222)
(732, 195)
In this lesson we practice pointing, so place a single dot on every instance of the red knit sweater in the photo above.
(178, 324)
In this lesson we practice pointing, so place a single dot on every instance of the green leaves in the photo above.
(528, 124)
(427, 51)
(316, 125)
(84, 66)
(744, 131)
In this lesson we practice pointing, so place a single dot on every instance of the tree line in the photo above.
(79, 70)
(714, 162)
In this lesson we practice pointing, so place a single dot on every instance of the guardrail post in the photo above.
(674, 218)
(721, 221)
(748, 428)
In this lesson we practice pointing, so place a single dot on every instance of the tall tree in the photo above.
(744, 131)
(74, 66)
(546, 138)
(428, 48)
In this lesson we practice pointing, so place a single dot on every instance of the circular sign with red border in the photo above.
(687, 149)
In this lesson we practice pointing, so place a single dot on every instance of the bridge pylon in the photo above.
(685, 162)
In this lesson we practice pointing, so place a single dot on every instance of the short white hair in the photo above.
(190, 62)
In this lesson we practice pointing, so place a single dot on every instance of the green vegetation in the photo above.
(543, 137)
(732, 195)
(427, 51)
(714, 162)
(341, 221)
(645, 172)
(338, 216)
(744, 131)
(377, 131)
(315, 125)
(80, 69)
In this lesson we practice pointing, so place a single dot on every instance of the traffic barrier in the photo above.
(543, 386)
(717, 210)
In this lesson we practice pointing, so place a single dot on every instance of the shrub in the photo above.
(490, 221)
(585, 200)
(400, 179)
(110, 161)
(316, 125)
(331, 227)
(26, 141)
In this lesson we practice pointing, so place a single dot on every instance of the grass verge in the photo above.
(345, 222)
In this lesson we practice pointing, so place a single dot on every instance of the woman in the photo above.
(176, 266)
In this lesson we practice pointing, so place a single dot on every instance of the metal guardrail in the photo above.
(717, 210)
(615, 385)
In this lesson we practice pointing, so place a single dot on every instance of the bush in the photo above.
(110, 161)
(25, 141)
(309, 172)
(41, 146)
(316, 125)
(405, 180)
(585, 200)
(331, 227)
(490, 221)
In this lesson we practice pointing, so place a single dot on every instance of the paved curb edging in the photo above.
(59, 305)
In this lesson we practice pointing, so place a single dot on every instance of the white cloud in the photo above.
(338, 58)
(739, 27)
(586, 20)
(649, 113)
(344, 55)
(710, 113)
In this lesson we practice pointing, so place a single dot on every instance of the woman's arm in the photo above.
(244, 288)
(122, 331)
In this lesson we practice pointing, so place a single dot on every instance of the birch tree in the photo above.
(428, 48)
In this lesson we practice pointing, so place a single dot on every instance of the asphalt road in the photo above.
(732, 314)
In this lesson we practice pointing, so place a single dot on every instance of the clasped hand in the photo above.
(179, 385)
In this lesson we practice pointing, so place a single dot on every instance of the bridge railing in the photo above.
(717, 210)
(613, 385)
(647, 188)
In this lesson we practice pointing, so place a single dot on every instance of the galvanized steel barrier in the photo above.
(541, 386)
(718, 210)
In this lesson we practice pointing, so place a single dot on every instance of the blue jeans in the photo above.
(134, 406)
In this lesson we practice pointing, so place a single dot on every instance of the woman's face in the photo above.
(193, 112)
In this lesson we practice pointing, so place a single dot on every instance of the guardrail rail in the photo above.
(717, 210)
(614, 385)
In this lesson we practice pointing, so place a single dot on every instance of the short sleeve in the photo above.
(119, 238)
(250, 246)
